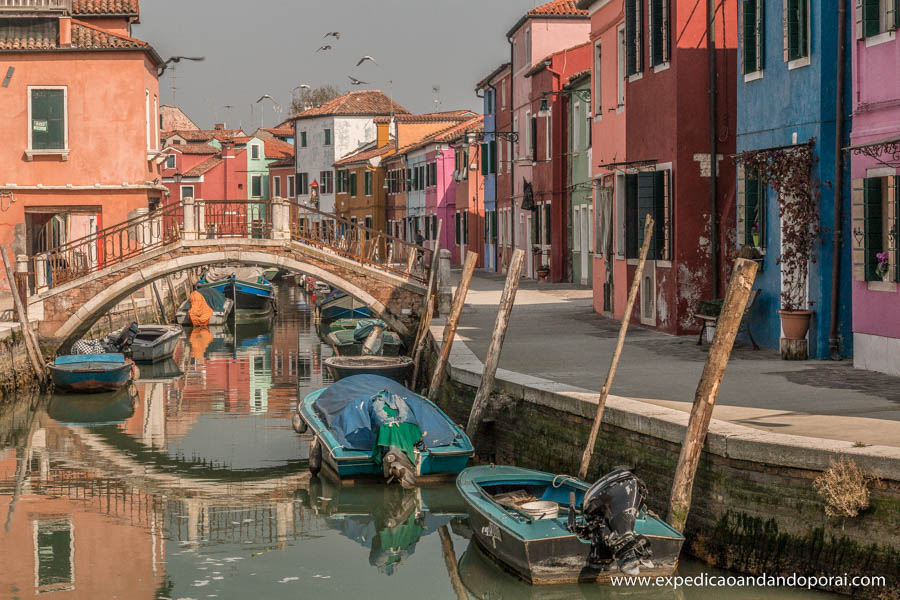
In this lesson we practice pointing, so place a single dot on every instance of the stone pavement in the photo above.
(555, 334)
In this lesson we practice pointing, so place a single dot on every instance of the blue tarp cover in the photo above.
(365, 326)
(213, 297)
(334, 295)
(70, 359)
(347, 409)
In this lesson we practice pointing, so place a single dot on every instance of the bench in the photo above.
(711, 320)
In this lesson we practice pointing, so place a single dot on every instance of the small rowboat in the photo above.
(153, 342)
(345, 343)
(340, 305)
(91, 373)
(397, 368)
(523, 520)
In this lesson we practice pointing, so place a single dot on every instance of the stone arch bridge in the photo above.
(79, 282)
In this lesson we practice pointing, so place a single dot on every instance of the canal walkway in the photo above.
(554, 334)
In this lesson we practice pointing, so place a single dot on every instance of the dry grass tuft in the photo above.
(844, 488)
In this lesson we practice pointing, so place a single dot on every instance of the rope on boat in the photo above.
(564, 479)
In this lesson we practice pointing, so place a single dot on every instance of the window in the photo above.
(434, 227)
(327, 137)
(290, 187)
(367, 182)
(547, 138)
(492, 235)
(170, 161)
(256, 186)
(303, 183)
(48, 115)
(515, 154)
(875, 204)
(276, 186)
(634, 37)
(353, 184)
(796, 40)
(532, 138)
(327, 182)
(659, 32)
(598, 80)
(546, 223)
(432, 174)
(751, 204)
(254, 151)
(342, 181)
(54, 560)
(187, 191)
(874, 17)
(147, 117)
(620, 68)
(753, 57)
(369, 226)
(303, 139)
(489, 102)
(648, 193)
(527, 46)
(458, 228)
(503, 94)
(488, 157)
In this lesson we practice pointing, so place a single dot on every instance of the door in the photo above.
(529, 244)
(585, 249)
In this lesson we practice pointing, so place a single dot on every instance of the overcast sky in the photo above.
(256, 47)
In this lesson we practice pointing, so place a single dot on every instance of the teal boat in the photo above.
(368, 425)
(346, 342)
(555, 529)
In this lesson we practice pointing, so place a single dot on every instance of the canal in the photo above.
(192, 484)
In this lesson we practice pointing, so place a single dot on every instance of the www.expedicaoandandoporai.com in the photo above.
(794, 580)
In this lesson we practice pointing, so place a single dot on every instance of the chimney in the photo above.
(383, 134)
(219, 126)
(65, 32)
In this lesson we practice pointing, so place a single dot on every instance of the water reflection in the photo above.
(192, 484)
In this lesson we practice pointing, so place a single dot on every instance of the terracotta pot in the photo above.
(795, 323)
(543, 275)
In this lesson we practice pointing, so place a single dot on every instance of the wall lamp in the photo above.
(544, 111)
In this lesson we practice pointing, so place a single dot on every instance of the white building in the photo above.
(330, 132)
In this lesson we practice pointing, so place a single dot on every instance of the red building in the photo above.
(502, 83)
(549, 147)
(206, 172)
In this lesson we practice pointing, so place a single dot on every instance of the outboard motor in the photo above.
(610, 508)
(123, 342)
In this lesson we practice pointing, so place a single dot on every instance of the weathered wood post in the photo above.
(425, 321)
(614, 363)
(451, 564)
(31, 345)
(705, 399)
(174, 297)
(492, 360)
(452, 323)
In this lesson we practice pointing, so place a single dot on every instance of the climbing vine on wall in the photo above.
(789, 171)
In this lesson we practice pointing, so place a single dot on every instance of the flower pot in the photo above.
(795, 323)
(543, 274)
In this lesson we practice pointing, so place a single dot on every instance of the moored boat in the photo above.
(397, 368)
(367, 425)
(253, 295)
(218, 302)
(551, 529)
(346, 342)
(340, 305)
(152, 342)
(91, 373)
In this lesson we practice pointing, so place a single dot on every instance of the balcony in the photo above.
(35, 8)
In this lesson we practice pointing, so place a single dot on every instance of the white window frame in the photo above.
(254, 151)
(261, 189)
(548, 142)
(171, 156)
(185, 187)
(64, 152)
(620, 68)
(276, 185)
(291, 187)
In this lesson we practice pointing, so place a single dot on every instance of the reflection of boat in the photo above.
(612, 536)
(371, 425)
(397, 368)
(341, 305)
(91, 373)
(107, 408)
(152, 342)
(346, 342)
(161, 370)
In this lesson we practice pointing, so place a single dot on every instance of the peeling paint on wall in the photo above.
(690, 286)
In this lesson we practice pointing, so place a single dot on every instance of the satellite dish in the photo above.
(374, 162)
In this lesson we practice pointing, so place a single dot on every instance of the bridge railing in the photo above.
(349, 239)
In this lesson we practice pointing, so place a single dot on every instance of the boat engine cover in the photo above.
(610, 507)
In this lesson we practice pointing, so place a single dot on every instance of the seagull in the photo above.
(335, 34)
(302, 86)
(325, 47)
(364, 59)
(355, 81)
(178, 59)
(264, 96)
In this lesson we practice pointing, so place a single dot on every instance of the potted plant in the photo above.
(543, 272)
(883, 268)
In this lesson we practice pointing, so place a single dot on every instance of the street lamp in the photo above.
(177, 177)
(544, 110)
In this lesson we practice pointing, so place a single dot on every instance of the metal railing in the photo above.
(360, 243)
(230, 219)
(8, 7)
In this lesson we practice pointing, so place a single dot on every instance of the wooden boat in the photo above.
(340, 305)
(397, 368)
(108, 408)
(367, 425)
(345, 343)
(339, 324)
(546, 550)
(219, 317)
(91, 373)
(153, 342)
(251, 293)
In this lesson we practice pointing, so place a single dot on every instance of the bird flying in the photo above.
(335, 34)
(364, 59)
(264, 96)
(355, 81)
(325, 47)
(177, 59)
(302, 86)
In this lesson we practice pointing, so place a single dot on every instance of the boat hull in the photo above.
(391, 345)
(91, 377)
(155, 342)
(218, 317)
(397, 368)
(332, 313)
(245, 294)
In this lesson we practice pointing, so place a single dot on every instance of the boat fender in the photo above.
(298, 424)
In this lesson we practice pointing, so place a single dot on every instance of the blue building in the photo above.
(492, 89)
(786, 98)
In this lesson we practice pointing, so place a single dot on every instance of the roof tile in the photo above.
(276, 148)
(105, 7)
(360, 103)
(207, 165)
(559, 7)
(195, 149)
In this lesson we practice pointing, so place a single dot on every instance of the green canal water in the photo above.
(193, 485)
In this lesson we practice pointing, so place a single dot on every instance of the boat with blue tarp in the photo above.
(368, 425)
(341, 305)
(552, 529)
(349, 342)
(91, 373)
(253, 295)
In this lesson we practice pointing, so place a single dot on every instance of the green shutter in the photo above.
(803, 30)
(873, 225)
(871, 18)
(484, 158)
(749, 58)
(760, 34)
(631, 217)
(656, 32)
(646, 205)
(492, 152)
(793, 28)
(353, 184)
(48, 119)
(630, 37)
(741, 197)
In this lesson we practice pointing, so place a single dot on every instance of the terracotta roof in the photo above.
(484, 82)
(449, 116)
(106, 7)
(361, 103)
(555, 9)
(447, 134)
(364, 155)
(43, 34)
(279, 131)
(577, 77)
(195, 149)
(204, 135)
(173, 118)
(207, 165)
(85, 35)
(276, 148)
(287, 161)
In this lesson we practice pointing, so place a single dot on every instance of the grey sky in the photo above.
(256, 47)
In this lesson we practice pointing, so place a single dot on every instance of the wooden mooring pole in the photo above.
(425, 322)
(452, 323)
(451, 564)
(614, 363)
(492, 360)
(705, 399)
(31, 344)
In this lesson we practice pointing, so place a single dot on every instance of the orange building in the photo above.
(470, 171)
(80, 124)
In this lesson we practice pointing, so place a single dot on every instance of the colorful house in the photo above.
(875, 140)
(495, 90)
(786, 105)
(473, 163)
(540, 32)
(74, 161)
(578, 180)
(214, 177)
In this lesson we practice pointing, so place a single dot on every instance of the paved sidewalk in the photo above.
(555, 334)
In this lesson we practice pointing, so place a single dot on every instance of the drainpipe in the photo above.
(512, 162)
(834, 346)
(713, 144)
(496, 179)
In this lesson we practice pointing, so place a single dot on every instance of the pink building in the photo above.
(875, 143)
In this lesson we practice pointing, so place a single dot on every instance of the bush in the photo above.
(844, 488)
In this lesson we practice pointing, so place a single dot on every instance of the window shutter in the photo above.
(492, 152)
(784, 24)
(871, 17)
(892, 199)
(48, 123)
(748, 47)
(630, 35)
(802, 28)
(533, 140)
(665, 30)
(741, 205)
(631, 217)
(858, 17)
(760, 35)
(647, 184)
(873, 226)
(639, 36)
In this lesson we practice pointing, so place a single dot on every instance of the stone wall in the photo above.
(16, 373)
(754, 507)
